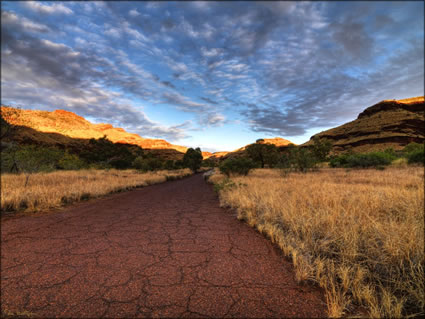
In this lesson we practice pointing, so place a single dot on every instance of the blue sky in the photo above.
(217, 75)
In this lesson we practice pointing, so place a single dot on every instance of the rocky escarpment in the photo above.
(67, 125)
(390, 123)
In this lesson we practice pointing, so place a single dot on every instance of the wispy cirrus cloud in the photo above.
(55, 8)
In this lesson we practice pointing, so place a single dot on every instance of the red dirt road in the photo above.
(167, 250)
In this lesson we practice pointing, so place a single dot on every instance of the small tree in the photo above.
(8, 129)
(193, 159)
(297, 159)
(32, 159)
(262, 153)
(321, 148)
(303, 159)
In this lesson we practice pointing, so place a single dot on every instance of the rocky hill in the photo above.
(66, 128)
(387, 124)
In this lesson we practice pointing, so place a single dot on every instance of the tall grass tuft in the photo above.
(48, 190)
(359, 234)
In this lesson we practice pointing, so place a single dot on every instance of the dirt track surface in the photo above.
(166, 250)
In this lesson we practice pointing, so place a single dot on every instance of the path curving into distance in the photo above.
(167, 250)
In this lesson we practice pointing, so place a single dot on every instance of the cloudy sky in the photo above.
(217, 75)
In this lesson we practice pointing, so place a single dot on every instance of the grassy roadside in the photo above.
(359, 234)
(49, 190)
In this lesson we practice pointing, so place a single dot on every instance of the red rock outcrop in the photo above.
(72, 125)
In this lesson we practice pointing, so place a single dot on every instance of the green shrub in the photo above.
(364, 160)
(238, 166)
(412, 147)
(120, 163)
(416, 157)
(302, 159)
(71, 162)
(169, 164)
(208, 163)
(147, 164)
(102, 150)
(178, 164)
(32, 158)
(339, 161)
(414, 152)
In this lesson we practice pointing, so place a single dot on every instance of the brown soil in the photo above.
(167, 250)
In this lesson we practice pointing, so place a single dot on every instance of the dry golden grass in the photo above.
(359, 234)
(48, 190)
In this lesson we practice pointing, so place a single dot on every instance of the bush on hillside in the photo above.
(70, 162)
(363, 160)
(339, 160)
(120, 162)
(169, 165)
(237, 166)
(147, 163)
(413, 147)
(102, 150)
(178, 164)
(416, 157)
(414, 152)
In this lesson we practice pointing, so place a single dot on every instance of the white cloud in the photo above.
(211, 53)
(135, 33)
(152, 5)
(215, 119)
(134, 13)
(201, 5)
(206, 31)
(12, 19)
(47, 9)
(113, 32)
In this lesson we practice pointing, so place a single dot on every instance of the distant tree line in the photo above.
(100, 153)
(293, 158)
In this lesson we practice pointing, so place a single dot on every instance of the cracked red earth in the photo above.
(167, 250)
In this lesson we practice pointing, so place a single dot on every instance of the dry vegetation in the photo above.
(48, 190)
(359, 234)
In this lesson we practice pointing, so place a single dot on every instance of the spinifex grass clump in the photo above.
(359, 234)
(46, 190)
